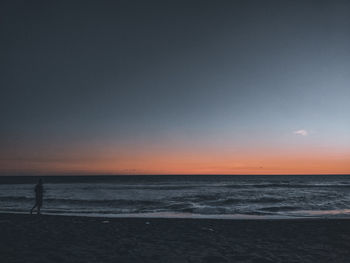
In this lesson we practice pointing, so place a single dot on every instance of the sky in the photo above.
(174, 87)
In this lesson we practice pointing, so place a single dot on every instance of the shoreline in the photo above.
(52, 238)
(185, 216)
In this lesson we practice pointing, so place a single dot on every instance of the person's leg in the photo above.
(31, 210)
(40, 204)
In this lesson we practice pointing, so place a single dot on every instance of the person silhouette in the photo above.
(38, 196)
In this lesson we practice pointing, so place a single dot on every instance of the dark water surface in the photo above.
(183, 196)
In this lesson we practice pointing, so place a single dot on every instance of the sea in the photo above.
(182, 196)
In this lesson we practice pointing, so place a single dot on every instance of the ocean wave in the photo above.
(290, 185)
(142, 187)
(16, 198)
(280, 208)
(222, 196)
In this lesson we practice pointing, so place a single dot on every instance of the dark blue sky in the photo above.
(111, 77)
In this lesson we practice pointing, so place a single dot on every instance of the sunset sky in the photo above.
(175, 87)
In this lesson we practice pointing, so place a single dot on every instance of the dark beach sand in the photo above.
(25, 238)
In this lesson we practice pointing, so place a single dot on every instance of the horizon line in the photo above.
(48, 175)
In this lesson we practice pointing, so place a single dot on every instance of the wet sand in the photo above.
(25, 238)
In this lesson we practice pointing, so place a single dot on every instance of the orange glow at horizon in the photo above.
(189, 162)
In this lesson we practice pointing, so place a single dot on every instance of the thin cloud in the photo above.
(301, 132)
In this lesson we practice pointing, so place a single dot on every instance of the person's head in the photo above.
(40, 181)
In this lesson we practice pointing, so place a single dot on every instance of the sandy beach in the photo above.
(26, 238)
